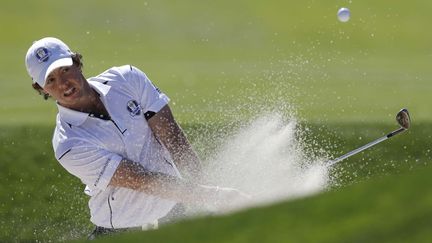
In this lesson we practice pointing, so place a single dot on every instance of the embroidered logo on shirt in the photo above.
(133, 107)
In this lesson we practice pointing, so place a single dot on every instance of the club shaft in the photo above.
(358, 150)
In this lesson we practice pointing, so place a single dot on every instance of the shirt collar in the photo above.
(73, 117)
(101, 88)
(77, 118)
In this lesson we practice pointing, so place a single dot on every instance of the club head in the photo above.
(403, 118)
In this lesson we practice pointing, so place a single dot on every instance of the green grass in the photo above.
(223, 62)
(390, 209)
(213, 56)
(41, 201)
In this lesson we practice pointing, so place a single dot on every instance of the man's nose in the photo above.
(64, 81)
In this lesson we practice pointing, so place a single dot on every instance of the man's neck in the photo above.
(90, 103)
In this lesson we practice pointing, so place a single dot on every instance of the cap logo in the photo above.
(42, 54)
(133, 107)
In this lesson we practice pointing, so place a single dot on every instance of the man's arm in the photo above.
(172, 136)
(133, 176)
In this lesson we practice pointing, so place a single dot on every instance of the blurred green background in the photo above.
(222, 62)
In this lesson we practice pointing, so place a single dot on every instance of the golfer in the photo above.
(116, 133)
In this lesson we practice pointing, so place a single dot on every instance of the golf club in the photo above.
(403, 119)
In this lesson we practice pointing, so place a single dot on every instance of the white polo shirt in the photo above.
(91, 148)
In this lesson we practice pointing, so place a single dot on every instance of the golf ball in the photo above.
(343, 14)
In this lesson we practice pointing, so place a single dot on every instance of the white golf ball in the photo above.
(343, 14)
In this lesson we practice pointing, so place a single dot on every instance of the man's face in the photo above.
(66, 85)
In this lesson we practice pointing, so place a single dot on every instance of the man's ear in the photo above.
(45, 94)
(40, 90)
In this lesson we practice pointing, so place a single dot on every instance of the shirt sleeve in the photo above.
(150, 96)
(94, 166)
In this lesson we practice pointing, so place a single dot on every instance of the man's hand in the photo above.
(225, 197)
(227, 194)
(133, 176)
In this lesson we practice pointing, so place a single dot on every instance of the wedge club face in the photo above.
(403, 118)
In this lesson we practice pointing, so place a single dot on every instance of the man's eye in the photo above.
(65, 70)
(50, 80)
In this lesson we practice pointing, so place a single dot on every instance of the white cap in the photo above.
(44, 56)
